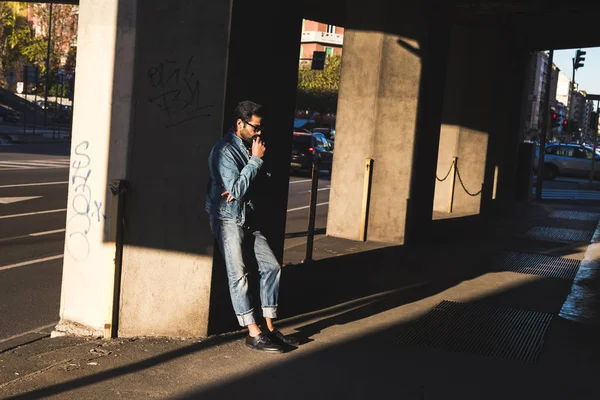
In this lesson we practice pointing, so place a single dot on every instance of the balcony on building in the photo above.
(322, 38)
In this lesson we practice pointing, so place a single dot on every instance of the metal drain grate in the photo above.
(480, 329)
(537, 264)
(559, 234)
(579, 215)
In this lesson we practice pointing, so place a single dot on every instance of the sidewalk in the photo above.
(505, 309)
(15, 134)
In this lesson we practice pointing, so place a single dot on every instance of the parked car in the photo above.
(562, 159)
(327, 132)
(305, 146)
(8, 114)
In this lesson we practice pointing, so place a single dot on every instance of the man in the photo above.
(234, 163)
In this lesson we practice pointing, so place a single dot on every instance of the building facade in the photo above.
(317, 36)
(563, 89)
(577, 114)
(586, 128)
(535, 91)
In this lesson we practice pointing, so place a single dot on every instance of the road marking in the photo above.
(558, 194)
(48, 160)
(52, 163)
(318, 190)
(32, 213)
(46, 233)
(25, 263)
(304, 207)
(53, 160)
(35, 234)
(305, 180)
(35, 330)
(10, 200)
(31, 163)
(11, 167)
(33, 184)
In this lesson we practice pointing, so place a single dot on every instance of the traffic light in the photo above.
(318, 60)
(554, 120)
(579, 59)
(565, 124)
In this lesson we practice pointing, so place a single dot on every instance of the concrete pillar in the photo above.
(100, 143)
(467, 120)
(180, 82)
(153, 122)
(503, 154)
(389, 109)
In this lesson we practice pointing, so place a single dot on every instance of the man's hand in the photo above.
(229, 197)
(258, 148)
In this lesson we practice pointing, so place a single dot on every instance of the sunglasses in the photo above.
(257, 128)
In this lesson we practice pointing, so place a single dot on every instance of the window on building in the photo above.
(331, 29)
(329, 51)
(301, 51)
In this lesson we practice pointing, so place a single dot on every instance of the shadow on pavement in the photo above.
(375, 365)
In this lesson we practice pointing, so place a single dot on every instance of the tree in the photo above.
(17, 44)
(63, 36)
(318, 90)
(24, 37)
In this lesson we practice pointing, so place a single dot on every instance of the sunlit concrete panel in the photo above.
(102, 109)
(467, 121)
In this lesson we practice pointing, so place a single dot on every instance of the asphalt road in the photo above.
(33, 188)
(33, 202)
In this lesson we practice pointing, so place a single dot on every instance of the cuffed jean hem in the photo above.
(269, 312)
(246, 319)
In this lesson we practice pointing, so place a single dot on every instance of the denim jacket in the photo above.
(232, 169)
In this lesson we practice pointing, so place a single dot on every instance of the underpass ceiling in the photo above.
(536, 24)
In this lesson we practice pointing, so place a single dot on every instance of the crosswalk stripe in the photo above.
(53, 161)
(29, 164)
(557, 194)
(25, 263)
(10, 166)
(34, 164)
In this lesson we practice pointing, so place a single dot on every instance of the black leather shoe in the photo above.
(279, 337)
(264, 343)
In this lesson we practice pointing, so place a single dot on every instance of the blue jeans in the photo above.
(230, 239)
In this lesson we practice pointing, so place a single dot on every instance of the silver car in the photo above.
(568, 160)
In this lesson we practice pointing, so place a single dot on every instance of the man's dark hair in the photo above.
(245, 109)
